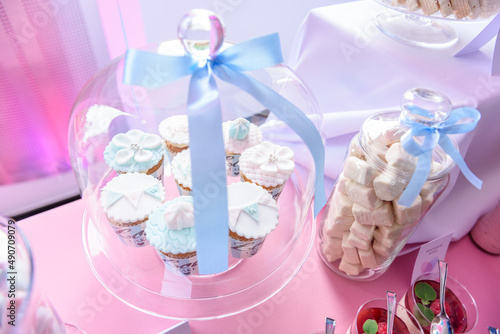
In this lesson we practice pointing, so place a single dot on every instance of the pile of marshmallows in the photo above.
(364, 225)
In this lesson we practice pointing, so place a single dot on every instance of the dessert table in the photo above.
(353, 70)
(316, 292)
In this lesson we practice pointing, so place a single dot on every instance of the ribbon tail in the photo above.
(417, 180)
(450, 149)
(208, 172)
(292, 116)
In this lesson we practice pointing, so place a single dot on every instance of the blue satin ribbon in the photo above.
(152, 70)
(433, 135)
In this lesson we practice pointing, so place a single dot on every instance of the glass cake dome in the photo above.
(107, 107)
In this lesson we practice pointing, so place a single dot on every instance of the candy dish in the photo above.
(422, 299)
(427, 27)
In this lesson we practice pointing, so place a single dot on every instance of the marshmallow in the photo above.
(359, 171)
(406, 215)
(426, 203)
(380, 216)
(380, 249)
(351, 269)
(341, 181)
(389, 240)
(336, 226)
(342, 204)
(332, 249)
(367, 258)
(350, 252)
(391, 232)
(429, 188)
(354, 150)
(364, 232)
(398, 158)
(357, 242)
(387, 187)
(362, 195)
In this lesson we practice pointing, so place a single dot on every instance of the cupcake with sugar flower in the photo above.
(127, 201)
(239, 134)
(253, 214)
(136, 152)
(175, 132)
(268, 165)
(170, 230)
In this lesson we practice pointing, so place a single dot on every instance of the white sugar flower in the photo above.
(136, 145)
(273, 158)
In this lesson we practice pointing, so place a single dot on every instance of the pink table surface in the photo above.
(65, 277)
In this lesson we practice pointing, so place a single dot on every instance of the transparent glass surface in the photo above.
(416, 28)
(376, 309)
(461, 309)
(363, 228)
(137, 276)
(23, 308)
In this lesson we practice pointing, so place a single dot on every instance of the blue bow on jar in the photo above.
(204, 117)
(435, 134)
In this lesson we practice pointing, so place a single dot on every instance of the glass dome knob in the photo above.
(437, 105)
(201, 32)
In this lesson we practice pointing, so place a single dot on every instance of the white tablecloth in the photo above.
(353, 69)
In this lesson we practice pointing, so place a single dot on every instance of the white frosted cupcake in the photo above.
(267, 165)
(170, 230)
(181, 170)
(175, 132)
(128, 200)
(253, 214)
(136, 152)
(239, 135)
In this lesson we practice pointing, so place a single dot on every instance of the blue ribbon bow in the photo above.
(205, 121)
(434, 135)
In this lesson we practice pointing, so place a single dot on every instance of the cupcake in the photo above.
(174, 130)
(181, 170)
(128, 200)
(239, 135)
(136, 152)
(267, 165)
(170, 230)
(253, 214)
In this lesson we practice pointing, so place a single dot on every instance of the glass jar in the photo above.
(365, 224)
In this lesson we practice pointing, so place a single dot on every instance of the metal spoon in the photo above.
(441, 324)
(329, 326)
(492, 330)
(391, 310)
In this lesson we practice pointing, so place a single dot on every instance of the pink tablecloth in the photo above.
(66, 279)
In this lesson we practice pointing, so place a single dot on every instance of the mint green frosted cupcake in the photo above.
(136, 152)
(170, 230)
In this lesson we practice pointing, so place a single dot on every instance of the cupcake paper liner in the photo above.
(180, 267)
(233, 164)
(245, 248)
(133, 236)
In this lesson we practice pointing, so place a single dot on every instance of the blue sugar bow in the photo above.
(208, 156)
(434, 135)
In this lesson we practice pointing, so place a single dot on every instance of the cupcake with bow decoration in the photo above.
(170, 230)
(253, 214)
(239, 134)
(136, 152)
(267, 165)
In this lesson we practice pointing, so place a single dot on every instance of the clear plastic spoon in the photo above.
(441, 323)
(391, 310)
(329, 326)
